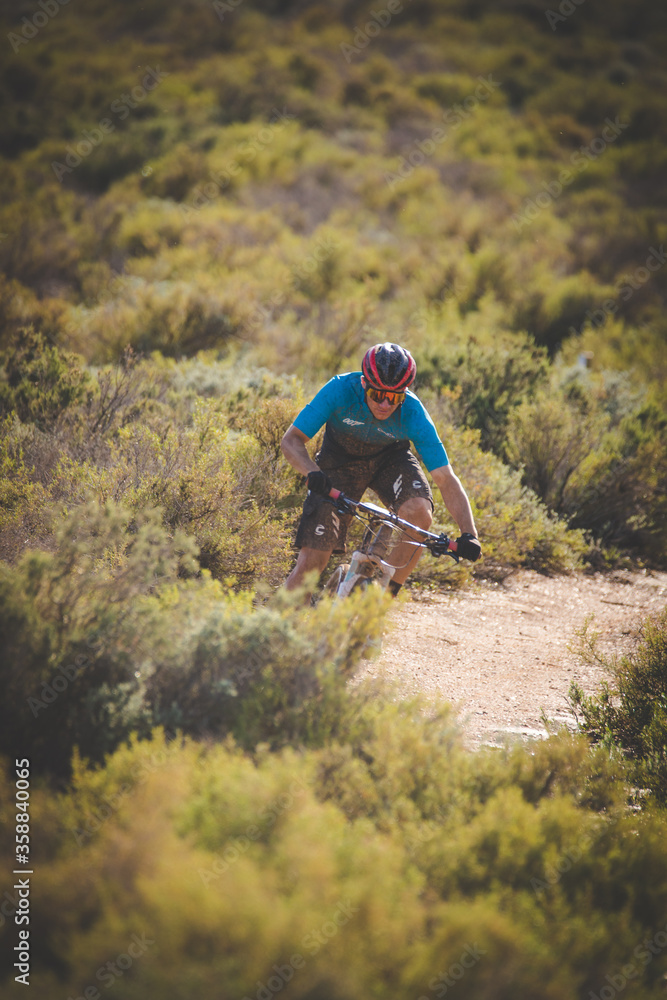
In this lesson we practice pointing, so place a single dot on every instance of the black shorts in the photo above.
(393, 473)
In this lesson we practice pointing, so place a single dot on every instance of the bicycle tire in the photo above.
(335, 580)
(377, 539)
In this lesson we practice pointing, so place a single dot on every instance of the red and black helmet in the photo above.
(388, 366)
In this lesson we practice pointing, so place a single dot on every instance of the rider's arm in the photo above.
(455, 498)
(293, 447)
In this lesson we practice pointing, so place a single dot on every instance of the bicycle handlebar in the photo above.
(438, 545)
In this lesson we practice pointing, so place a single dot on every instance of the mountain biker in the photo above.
(370, 418)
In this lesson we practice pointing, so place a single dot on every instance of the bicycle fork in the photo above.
(365, 567)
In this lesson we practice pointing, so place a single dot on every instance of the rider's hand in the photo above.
(319, 482)
(468, 547)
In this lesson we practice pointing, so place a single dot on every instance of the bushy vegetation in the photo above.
(385, 861)
(275, 804)
(629, 714)
(274, 192)
(118, 630)
(199, 441)
(206, 209)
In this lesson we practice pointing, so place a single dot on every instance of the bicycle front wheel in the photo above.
(335, 580)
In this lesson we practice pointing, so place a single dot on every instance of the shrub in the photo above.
(620, 494)
(65, 619)
(102, 638)
(515, 526)
(485, 383)
(219, 486)
(23, 502)
(173, 317)
(274, 675)
(549, 439)
(599, 460)
(629, 713)
(38, 382)
(411, 856)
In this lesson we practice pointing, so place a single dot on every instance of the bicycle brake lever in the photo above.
(442, 548)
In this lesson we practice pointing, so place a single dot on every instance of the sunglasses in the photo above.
(379, 396)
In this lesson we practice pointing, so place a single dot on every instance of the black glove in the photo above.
(468, 547)
(319, 482)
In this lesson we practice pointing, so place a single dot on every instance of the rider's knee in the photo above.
(419, 511)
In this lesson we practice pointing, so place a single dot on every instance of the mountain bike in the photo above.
(368, 564)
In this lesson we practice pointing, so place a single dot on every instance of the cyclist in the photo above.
(371, 418)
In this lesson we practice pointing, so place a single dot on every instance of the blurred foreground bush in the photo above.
(375, 866)
(107, 636)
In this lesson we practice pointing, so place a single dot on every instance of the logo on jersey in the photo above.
(319, 530)
(398, 485)
(417, 484)
(353, 423)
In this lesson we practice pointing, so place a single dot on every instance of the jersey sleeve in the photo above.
(316, 413)
(426, 440)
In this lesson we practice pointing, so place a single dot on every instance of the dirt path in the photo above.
(500, 651)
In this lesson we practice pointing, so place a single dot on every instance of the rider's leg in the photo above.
(308, 561)
(418, 511)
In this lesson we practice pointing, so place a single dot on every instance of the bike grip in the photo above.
(452, 545)
(334, 493)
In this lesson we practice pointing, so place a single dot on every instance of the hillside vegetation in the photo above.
(207, 209)
(480, 182)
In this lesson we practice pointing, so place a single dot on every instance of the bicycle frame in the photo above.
(366, 566)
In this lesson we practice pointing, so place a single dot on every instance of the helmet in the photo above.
(388, 366)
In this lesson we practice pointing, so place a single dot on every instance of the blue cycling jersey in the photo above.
(341, 405)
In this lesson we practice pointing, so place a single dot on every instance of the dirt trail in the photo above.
(500, 651)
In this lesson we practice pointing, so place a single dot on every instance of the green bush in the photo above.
(38, 382)
(549, 439)
(484, 384)
(597, 458)
(381, 860)
(105, 638)
(515, 526)
(67, 623)
(629, 712)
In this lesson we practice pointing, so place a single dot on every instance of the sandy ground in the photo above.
(505, 653)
